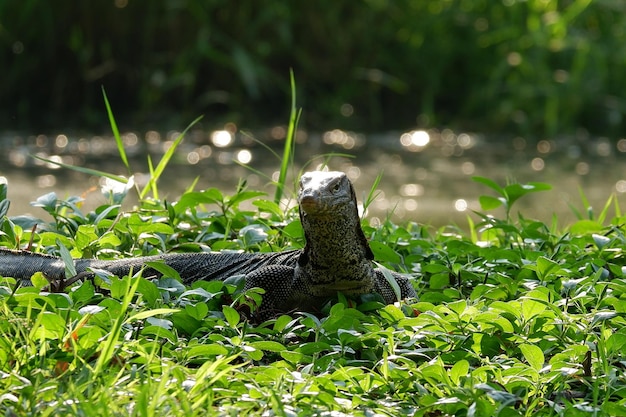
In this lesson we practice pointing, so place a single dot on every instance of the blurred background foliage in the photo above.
(533, 67)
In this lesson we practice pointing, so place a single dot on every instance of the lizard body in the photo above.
(336, 258)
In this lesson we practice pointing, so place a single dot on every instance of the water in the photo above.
(426, 175)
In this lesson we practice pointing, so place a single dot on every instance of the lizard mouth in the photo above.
(311, 204)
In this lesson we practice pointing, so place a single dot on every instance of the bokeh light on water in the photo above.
(426, 173)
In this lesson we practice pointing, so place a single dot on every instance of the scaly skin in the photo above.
(337, 257)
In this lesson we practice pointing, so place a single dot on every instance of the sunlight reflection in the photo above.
(166, 145)
(460, 205)
(153, 137)
(519, 143)
(130, 139)
(410, 204)
(205, 151)
(225, 158)
(346, 110)
(582, 168)
(537, 164)
(17, 158)
(3, 180)
(46, 181)
(603, 148)
(97, 144)
(221, 138)
(244, 156)
(339, 137)
(468, 168)
(230, 127)
(544, 146)
(621, 145)
(41, 141)
(411, 190)
(83, 146)
(421, 173)
(193, 157)
(465, 141)
(61, 141)
(278, 132)
(54, 158)
(353, 173)
(620, 186)
(415, 141)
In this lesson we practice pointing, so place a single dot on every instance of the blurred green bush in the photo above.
(532, 67)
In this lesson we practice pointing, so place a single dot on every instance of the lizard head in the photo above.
(325, 193)
(329, 198)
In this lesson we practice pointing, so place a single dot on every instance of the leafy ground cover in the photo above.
(515, 317)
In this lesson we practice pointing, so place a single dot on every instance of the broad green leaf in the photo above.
(515, 191)
(310, 348)
(281, 322)
(600, 240)
(531, 308)
(439, 281)
(489, 203)
(164, 269)
(202, 351)
(268, 346)
(160, 332)
(39, 280)
(149, 291)
(48, 202)
(392, 313)
(585, 227)
(231, 315)
(546, 266)
(459, 370)
(70, 267)
(195, 198)
(268, 206)
(253, 234)
(85, 236)
(295, 357)
(243, 196)
(151, 313)
(533, 355)
(384, 253)
(616, 342)
(83, 293)
(197, 311)
(50, 326)
(489, 183)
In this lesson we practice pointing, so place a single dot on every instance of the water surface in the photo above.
(426, 175)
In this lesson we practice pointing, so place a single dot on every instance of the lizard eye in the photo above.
(336, 187)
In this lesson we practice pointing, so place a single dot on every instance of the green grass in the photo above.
(515, 318)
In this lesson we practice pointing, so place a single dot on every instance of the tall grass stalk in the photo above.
(155, 172)
(289, 149)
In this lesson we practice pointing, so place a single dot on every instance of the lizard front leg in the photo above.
(277, 281)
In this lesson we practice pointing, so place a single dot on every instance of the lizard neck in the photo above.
(337, 255)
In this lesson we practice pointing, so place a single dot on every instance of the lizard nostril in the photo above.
(309, 202)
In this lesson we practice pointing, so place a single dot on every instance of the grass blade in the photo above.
(373, 193)
(165, 161)
(116, 132)
(88, 171)
(288, 150)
